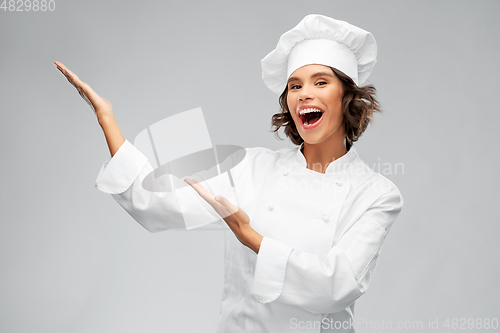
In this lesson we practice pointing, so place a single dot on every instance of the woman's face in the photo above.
(316, 88)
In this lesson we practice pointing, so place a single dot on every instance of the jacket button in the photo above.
(339, 183)
(325, 218)
(271, 207)
(285, 172)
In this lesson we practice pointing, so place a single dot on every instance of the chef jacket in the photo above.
(322, 233)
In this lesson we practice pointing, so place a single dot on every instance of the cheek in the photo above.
(290, 102)
(335, 101)
(335, 105)
(339, 116)
(295, 119)
(291, 109)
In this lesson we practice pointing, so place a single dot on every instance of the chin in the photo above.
(312, 140)
(315, 138)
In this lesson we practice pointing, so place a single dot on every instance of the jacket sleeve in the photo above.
(326, 284)
(122, 176)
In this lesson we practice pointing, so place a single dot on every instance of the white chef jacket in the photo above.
(322, 233)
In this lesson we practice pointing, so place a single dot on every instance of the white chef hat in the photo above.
(322, 40)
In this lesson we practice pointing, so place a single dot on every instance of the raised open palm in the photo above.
(100, 105)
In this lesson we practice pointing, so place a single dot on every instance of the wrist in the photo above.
(106, 119)
(250, 238)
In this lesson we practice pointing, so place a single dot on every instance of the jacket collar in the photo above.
(340, 165)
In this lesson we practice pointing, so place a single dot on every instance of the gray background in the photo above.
(72, 260)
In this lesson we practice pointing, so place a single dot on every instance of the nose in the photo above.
(305, 93)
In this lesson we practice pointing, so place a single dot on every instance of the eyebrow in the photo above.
(293, 78)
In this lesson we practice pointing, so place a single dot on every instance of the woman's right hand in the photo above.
(100, 105)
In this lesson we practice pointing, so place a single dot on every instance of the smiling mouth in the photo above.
(310, 117)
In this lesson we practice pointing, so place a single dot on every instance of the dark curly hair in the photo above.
(358, 105)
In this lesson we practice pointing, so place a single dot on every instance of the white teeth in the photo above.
(309, 111)
(302, 112)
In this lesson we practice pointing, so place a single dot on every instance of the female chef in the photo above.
(305, 249)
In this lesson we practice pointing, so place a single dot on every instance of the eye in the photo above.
(295, 86)
(321, 83)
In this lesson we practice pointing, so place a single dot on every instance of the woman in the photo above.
(309, 244)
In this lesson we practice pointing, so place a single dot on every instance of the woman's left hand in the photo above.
(237, 220)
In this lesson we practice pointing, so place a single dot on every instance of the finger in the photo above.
(230, 207)
(86, 99)
(208, 197)
(78, 85)
(72, 77)
(85, 91)
(205, 194)
(202, 191)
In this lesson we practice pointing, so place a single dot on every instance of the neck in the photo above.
(320, 155)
